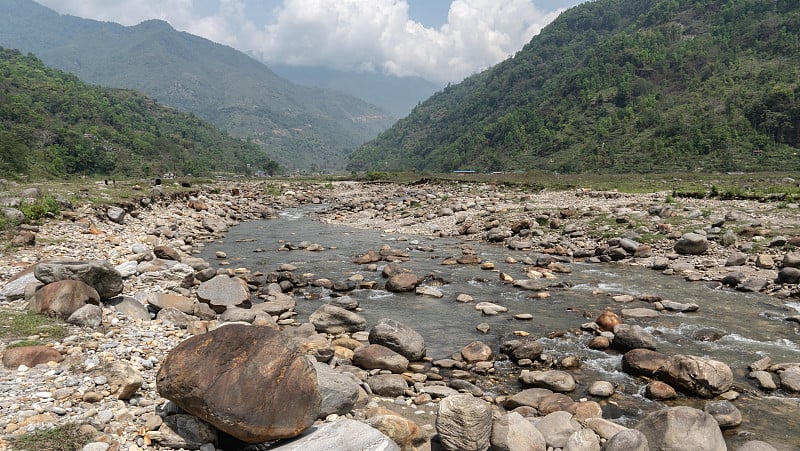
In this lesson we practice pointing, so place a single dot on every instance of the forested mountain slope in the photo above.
(54, 125)
(299, 126)
(620, 86)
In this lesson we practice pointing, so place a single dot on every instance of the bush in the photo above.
(44, 207)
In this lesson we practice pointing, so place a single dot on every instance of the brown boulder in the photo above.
(660, 391)
(403, 282)
(607, 320)
(61, 299)
(477, 352)
(370, 257)
(644, 362)
(167, 253)
(379, 357)
(254, 384)
(406, 433)
(30, 356)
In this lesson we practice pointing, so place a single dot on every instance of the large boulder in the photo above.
(98, 274)
(682, 429)
(223, 291)
(336, 320)
(401, 283)
(697, 375)
(464, 423)
(691, 244)
(248, 381)
(63, 298)
(644, 362)
(343, 434)
(377, 357)
(399, 338)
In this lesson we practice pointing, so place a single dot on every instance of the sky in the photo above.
(440, 40)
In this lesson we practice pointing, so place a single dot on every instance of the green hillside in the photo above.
(298, 126)
(54, 125)
(621, 86)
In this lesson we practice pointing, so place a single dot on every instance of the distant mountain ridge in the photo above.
(621, 86)
(298, 126)
(397, 95)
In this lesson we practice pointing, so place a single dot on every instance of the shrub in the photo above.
(44, 207)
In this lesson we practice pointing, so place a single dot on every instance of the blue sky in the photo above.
(440, 40)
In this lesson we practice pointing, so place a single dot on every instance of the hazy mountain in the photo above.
(299, 126)
(621, 85)
(396, 95)
(54, 125)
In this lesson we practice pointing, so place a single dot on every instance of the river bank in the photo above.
(745, 246)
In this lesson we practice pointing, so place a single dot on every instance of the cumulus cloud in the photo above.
(378, 34)
(345, 34)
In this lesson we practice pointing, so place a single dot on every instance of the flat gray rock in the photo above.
(343, 434)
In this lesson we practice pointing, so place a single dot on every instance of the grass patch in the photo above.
(23, 343)
(14, 325)
(65, 437)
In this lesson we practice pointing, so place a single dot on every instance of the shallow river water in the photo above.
(752, 325)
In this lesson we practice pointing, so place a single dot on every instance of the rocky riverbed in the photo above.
(153, 293)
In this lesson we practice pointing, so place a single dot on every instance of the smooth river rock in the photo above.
(399, 338)
(222, 292)
(248, 381)
(682, 429)
(98, 274)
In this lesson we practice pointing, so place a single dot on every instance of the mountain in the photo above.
(397, 95)
(54, 125)
(298, 126)
(621, 86)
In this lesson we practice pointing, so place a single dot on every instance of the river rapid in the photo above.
(747, 326)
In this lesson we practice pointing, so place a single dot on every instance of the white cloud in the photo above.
(354, 34)
(345, 34)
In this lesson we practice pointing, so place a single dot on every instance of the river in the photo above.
(751, 325)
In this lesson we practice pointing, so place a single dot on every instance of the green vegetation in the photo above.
(615, 86)
(297, 126)
(44, 207)
(54, 125)
(16, 325)
(65, 437)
